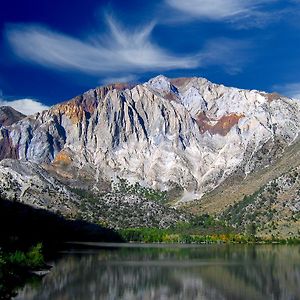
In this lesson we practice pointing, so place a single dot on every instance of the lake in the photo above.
(129, 271)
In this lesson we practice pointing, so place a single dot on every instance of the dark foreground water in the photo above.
(166, 272)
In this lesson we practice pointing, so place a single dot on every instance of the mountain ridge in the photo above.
(198, 118)
(185, 134)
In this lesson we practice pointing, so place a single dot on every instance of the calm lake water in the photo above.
(172, 272)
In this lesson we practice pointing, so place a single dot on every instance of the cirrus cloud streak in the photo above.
(243, 14)
(289, 89)
(116, 54)
(119, 52)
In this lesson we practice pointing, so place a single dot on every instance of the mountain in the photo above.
(9, 116)
(187, 136)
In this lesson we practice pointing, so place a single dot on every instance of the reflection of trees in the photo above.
(258, 272)
(213, 272)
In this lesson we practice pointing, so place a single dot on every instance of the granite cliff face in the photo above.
(165, 132)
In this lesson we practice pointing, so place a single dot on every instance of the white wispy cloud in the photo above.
(244, 12)
(25, 106)
(115, 54)
(120, 51)
(130, 78)
(232, 55)
(289, 89)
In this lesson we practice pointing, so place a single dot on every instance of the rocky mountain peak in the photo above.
(159, 83)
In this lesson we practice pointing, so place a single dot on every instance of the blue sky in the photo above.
(53, 50)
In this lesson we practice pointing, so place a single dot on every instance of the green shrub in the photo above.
(124, 186)
(31, 259)
(35, 257)
(17, 258)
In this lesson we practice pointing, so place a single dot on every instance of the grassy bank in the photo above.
(16, 268)
(155, 235)
(199, 230)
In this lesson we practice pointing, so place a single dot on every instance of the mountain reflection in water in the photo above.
(196, 272)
